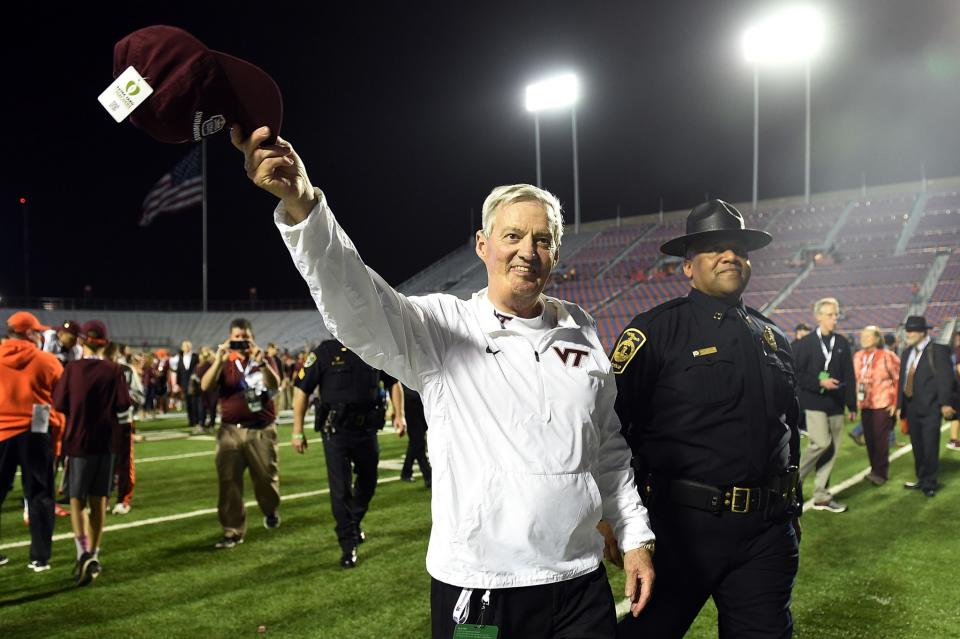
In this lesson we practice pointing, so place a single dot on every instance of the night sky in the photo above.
(406, 114)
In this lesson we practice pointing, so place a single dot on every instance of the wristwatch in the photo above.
(649, 546)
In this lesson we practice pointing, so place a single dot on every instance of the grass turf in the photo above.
(880, 570)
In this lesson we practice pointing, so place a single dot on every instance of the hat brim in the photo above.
(752, 239)
(258, 99)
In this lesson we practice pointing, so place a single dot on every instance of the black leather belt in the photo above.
(779, 491)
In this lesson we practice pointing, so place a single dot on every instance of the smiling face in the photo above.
(718, 267)
(519, 255)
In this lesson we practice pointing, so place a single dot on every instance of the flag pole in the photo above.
(203, 164)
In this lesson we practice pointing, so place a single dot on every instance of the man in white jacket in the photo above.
(525, 444)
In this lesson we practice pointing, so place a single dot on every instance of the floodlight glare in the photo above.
(791, 35)
(553, 93)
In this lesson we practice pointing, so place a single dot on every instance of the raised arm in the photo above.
(402, 336)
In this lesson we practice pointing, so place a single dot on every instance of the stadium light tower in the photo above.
(790, 36)
(556, 93)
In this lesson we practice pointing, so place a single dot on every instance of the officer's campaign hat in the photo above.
(916, 324)
(715, 218)
(196, 91)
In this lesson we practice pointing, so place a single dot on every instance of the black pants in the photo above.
(925, 437)
(32, 452)
(580, 608)
(746, 563)
(348, 452)
(416, 446)
(193, 404)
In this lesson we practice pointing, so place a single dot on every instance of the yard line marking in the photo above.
(188, 515)
(856, 479)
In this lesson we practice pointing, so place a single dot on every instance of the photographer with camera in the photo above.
(350, 413)
(248, 435)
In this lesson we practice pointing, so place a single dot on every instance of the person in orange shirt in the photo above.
(28, 427)
(877, 372)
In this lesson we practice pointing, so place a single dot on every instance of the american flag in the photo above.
(179, 189)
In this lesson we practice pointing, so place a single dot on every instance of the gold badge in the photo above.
(630, 342)
(301, 374)
(770, 337)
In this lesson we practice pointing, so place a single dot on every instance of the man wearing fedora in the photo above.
(926, 391)
(706, 396)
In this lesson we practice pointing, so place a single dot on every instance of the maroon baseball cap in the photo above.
(94, 332)
(196, 91)
(70, 326)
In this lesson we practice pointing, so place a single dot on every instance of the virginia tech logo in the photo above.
(565, 353)
(630, 342)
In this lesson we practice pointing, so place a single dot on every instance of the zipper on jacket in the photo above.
(544, 408)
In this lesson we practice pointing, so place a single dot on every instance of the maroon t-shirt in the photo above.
(233, 402)
(91, 392)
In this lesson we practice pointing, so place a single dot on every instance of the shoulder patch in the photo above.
(311, 360)
(630, 342)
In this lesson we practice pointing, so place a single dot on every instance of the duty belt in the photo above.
(778, 491)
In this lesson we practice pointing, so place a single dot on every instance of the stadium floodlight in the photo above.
(557, 92)
(792, 35)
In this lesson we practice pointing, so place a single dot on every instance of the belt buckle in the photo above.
(745, 506)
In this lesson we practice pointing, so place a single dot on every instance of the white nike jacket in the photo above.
(525, 445)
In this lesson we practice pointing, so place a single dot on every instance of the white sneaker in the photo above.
(37, 566)
(121, 509)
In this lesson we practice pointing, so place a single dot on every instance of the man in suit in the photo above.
(188, 383)
(824, 365)
(926, 388)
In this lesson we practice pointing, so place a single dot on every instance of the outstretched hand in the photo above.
(277, 169)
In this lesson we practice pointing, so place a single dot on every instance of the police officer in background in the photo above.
(706, 396)
(351, 411)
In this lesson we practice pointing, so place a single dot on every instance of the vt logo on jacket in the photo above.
(565, 353)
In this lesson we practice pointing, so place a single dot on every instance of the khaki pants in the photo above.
(823, 430)
(239, 449)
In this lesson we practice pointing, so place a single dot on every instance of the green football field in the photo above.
(883, 569)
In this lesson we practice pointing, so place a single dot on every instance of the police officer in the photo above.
(350, 412)
(706, 396)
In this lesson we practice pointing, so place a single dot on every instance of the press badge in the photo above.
(125, 94)
(473, 631)
(40, 421)
(252, 397)
(861, 393)
(823, 375)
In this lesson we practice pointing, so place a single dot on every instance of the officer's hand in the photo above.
(947, 412)
(400, 425)
(638, 565)
(830, 384)
(611, 549)
(277, 169)
(300, 444)
(892, 410)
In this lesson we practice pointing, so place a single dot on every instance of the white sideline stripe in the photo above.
(856, 479)
(207, 453)
(623, 608)
(189, 515)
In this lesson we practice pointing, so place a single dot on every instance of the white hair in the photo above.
(512, 193)
(820, 303)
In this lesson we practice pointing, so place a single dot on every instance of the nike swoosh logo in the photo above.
(492, 352)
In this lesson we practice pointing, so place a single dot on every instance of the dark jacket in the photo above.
(933, 382)
(809, 362)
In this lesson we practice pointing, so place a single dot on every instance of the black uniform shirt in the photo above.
(706, 391)
(342, 376)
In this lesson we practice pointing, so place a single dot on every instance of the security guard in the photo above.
(706, 396)
(350, 413)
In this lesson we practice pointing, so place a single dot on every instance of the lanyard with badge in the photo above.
(251, 384)
(862, 387)
(827, 357)
(469, 630)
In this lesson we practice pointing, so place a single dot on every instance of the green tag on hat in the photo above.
(473, 631)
